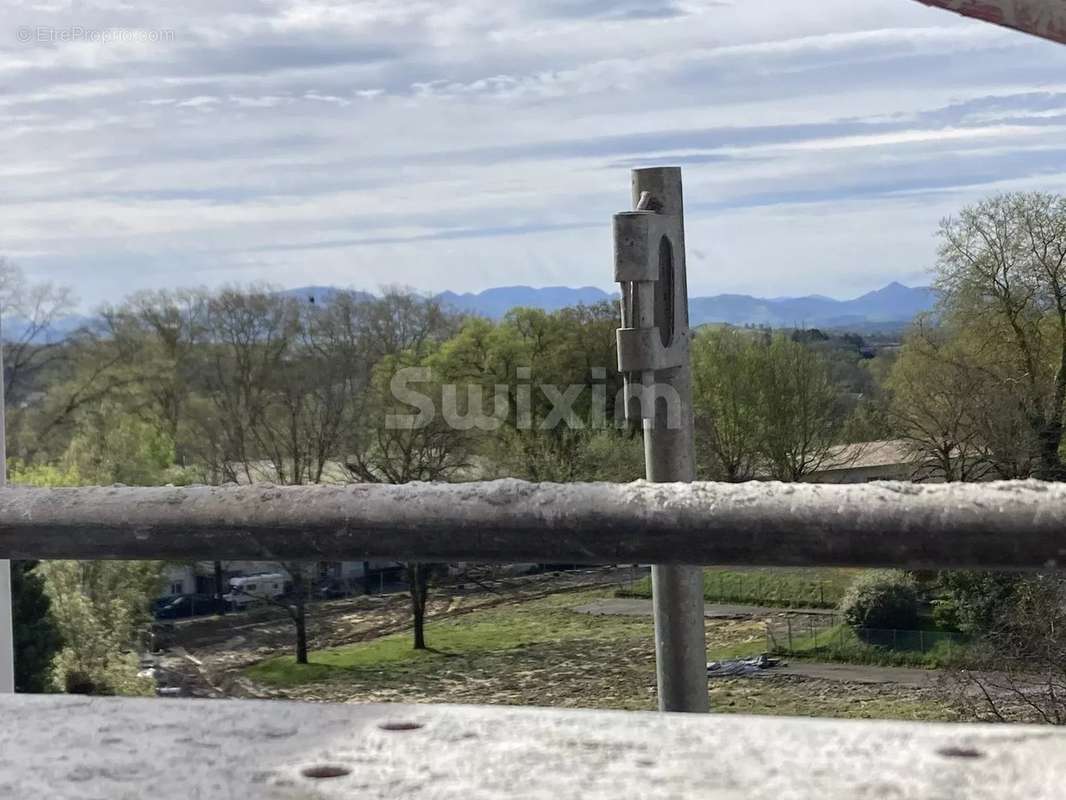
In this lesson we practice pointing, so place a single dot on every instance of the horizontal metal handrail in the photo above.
(1009, 525)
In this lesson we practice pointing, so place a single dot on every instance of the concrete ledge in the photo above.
(70, 748)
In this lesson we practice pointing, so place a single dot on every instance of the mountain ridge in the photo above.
(894, 304)
(891, 307)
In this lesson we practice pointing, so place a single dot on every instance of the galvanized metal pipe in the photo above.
(669, 456)
(1011, 525)
(7, 623)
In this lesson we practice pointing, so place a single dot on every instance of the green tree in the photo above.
(726, 368)
(959, 424)
(545, 385)
(37, 639)
(101, 610)
(1002, 277)
(800, 410)
(1015, 668)
(972, 600)
(165, 334)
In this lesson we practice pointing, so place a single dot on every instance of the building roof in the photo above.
(865, 455)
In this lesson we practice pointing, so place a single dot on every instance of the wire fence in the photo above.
(814, 634)
(771, 589)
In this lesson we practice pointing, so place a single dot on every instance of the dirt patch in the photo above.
(206, 655)
(612, 666)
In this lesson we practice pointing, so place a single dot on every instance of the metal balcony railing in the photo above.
(1017, 525)
(69, 747)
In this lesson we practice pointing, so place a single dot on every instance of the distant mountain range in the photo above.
(892, 306)
(496, 302)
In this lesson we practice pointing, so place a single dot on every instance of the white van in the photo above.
(249, 589)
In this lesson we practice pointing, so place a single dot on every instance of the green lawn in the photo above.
(512, 628)
(779, 588)
(786, 699)
(931, 649)
(540, 652)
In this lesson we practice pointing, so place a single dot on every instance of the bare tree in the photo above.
(167, 332)
(294, 602)
(1002, 276)
(253, 425)
(800, 411)
(291, 392)
(1017, 669)
(251, 334)
(30, 314)
(934, 412)
(389, 452)
(402, 331)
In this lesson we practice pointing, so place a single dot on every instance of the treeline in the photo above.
(251, 384)
(245, 384)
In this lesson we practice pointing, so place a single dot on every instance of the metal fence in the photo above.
(826, 634)
(757, 588)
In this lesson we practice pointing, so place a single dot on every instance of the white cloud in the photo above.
(463, 145)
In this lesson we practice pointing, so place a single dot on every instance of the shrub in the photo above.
(881, 599)
(973, 601)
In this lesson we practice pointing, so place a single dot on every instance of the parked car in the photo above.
(186, 605)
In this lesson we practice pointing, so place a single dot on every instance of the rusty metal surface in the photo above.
(1010, 525)
(71, 748)
(1045, 18)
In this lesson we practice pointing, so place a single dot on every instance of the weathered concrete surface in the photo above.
(66, 748)
(1019, 525)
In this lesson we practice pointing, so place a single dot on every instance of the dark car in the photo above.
(333, 590)
(186, 605)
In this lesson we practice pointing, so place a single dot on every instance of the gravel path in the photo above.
(862, 673)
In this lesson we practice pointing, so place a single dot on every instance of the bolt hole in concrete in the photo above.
(321, 771)
(960, 752)
(400, 726)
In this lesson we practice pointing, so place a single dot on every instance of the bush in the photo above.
(973, 601)
(881, 599)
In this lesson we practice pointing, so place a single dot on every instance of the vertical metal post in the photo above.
(650, 264)
(7, 633)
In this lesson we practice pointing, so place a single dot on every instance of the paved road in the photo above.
(637, 607)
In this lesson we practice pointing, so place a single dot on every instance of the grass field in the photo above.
(541, 653)
(779, 588)
(930, 649)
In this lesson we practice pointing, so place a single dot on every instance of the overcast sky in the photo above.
(464, 144)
